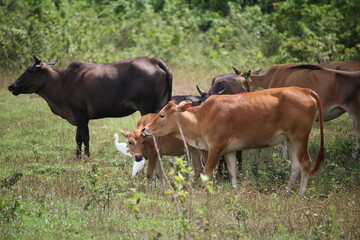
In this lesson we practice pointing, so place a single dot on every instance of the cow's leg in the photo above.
(304, 160)
(354, 113)
(79, 142)
(231, 166)
(295, 167)
(196, 160)
(159, 174)
(86, 139)
(150, 170)
(82, 134)
(213, 157)
(239, 159)
(284, 149)
(221, 169)
(211, 162)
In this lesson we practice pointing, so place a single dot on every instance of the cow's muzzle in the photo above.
(138, 158)
(14, 89)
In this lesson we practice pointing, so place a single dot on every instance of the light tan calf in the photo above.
(226, 123)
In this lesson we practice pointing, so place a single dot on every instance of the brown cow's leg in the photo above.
(295, 167)
(231, 163)
(150, 170)
(354, 113)
(304, 161)
(196, 159)
(159, 174)
(212, 161)
(284, 149)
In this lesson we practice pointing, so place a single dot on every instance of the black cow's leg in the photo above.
(239, 159)
(82, 135)
(221, 169)
(85, 138)
(78, 142)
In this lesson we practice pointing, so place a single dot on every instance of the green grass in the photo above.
(48, 201)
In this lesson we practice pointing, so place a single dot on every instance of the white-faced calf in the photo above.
(142, 147)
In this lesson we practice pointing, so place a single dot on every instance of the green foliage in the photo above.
(9, 182)
(9, 204)
(315, 32)
(98, 192)
(187, 33)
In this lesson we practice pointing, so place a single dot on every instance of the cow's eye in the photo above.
(161, 115)
(143, 142)
(129, 143)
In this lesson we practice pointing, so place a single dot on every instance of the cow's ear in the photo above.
(247, 75)
(52, 63)
(125, 134)
(169, 105)
(183, 106)
(257, 72)
(36, 59)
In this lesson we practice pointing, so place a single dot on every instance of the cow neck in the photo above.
(52, 92)
(182, 136)
(258, 81)
(188, 121)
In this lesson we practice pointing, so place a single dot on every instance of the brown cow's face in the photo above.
(165, 121)
(32, 79)
(136, 143)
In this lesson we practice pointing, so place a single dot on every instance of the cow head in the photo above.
(246, 77)
(205, 95)
(136, 142)
(165, 122)
(34, 77)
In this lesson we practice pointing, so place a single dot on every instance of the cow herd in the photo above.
(232, 116)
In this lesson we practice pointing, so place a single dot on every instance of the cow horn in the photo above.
(221, 92)
(200, 90)
(237, 71)
(36, 59)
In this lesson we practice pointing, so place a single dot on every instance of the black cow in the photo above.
(84, 91)
(196, 100)
(231, 83)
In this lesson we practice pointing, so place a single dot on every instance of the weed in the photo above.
(9, 204)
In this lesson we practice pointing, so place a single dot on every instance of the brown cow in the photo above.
(84, 91)
(248, 120)
(142, 147)
(339, 91)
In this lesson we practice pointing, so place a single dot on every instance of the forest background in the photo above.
(184, 33)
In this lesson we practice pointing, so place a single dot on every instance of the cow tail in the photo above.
(169, 80)
(321, 154)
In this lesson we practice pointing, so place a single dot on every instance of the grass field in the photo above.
(46, 193)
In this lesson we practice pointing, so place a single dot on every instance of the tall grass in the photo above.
(56, 196)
